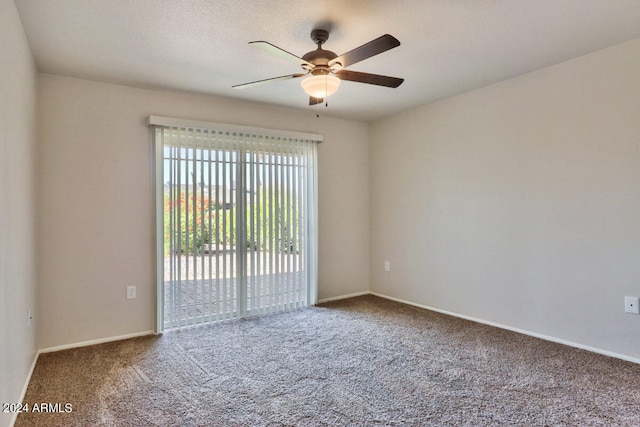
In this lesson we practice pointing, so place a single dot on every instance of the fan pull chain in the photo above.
(326, 100)
(326, 91)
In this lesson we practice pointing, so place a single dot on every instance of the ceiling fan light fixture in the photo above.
(320, 86)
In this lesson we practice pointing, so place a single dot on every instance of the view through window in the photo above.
(238, 224)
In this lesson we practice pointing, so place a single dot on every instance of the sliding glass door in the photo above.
(238, 224)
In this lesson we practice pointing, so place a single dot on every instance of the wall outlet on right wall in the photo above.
(631, 305)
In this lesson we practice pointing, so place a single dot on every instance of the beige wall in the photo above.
(519, 203)
(96, 213)
(17, 206)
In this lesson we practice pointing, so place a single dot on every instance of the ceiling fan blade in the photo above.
(271, 48)
(372, 79)
(313, 100)
(261, 82)
(367, 50)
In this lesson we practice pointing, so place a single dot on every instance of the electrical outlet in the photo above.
(631, 305)
(29, 318)
(387, 266)
(131, 292)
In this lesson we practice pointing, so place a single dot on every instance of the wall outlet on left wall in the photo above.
(29, 318)
(131, 292)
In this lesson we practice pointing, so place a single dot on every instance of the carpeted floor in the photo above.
(363, 361)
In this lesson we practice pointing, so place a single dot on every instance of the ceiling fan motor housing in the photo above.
(320, 58)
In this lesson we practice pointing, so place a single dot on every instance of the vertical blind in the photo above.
(237, 222)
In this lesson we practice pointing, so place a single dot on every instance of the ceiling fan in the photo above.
(326, 69)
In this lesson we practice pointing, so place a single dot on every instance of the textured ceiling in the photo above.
(448, 46)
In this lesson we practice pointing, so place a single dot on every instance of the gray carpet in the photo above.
(360, 362)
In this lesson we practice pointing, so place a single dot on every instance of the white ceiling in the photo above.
(448, 46)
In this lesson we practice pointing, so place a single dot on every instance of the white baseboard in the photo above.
(357, 294)
(509, 328)
(25, 387)
(94, 342)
